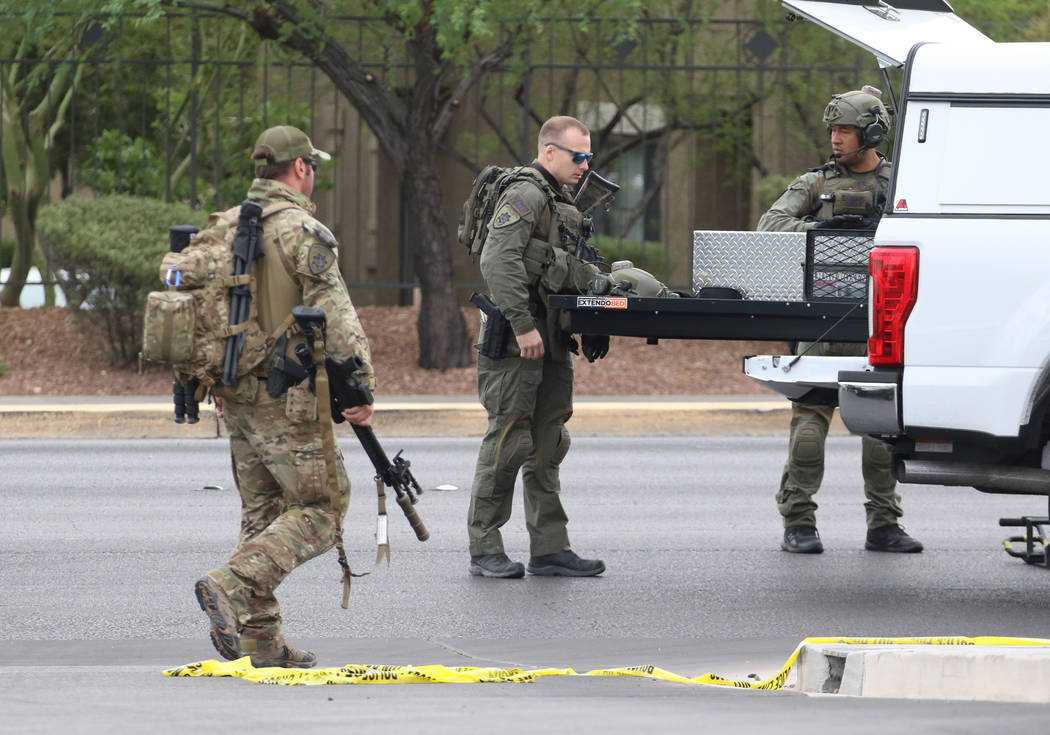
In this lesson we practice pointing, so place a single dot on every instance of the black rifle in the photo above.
(346, 392)
(247, 246)
(187, 410)
(497, 327)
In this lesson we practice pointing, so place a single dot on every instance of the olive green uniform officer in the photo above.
(847, 192)
(528, 393)
(288, 513)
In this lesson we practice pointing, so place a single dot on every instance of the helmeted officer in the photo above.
(848, 191)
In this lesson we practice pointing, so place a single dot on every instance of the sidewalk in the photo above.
(118, 417)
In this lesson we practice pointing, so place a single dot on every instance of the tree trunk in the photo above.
(22, 258)
(443, 339)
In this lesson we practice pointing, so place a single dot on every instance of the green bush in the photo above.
(649, 255)
(106, 252)
(3, 369)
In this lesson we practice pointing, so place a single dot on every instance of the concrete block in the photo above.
(950, 672)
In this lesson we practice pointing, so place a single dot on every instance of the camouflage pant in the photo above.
(804, 471)
(528, 403)
(286, 513)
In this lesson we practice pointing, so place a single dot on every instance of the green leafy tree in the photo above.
(35, 100)
(447, 47)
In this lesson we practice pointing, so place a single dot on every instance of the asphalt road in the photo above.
(104, 539)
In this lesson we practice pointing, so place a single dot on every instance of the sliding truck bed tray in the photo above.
(693, 318)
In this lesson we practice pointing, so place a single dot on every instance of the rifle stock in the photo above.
(346, 391)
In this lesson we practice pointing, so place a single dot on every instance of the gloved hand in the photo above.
(595, 346)
(568, 340)
(842, 222)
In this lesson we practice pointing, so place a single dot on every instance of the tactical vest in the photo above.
(861, 194)
(554, 237)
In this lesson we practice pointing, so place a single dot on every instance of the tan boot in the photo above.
(267, 652)
(223, 596)
(223, 617)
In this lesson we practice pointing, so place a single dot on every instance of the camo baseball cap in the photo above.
(285, 143)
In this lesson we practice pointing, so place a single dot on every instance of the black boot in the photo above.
(802, 540)
(496, 565)
(565, 564)
(891, 538)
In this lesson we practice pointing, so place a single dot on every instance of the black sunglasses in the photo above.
(310, 162)
(577, 157)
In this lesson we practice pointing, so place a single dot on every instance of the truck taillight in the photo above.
(894, 286)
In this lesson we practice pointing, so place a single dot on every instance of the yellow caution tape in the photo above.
(437, 674)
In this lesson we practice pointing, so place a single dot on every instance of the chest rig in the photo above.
(839, 193)
(554, 236)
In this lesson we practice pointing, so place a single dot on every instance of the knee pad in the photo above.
(807, 445)
(554, 445)
(513, 449)
(554, 441)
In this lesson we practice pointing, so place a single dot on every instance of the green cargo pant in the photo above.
(528, 403)
(804, 471)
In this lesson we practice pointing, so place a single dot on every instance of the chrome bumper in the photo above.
(869, 403)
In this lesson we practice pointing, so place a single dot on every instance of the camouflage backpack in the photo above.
(187, 325)
(479, 207)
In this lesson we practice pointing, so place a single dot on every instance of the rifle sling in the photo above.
(324, 415)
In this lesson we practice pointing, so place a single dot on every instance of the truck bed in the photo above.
(690, 318)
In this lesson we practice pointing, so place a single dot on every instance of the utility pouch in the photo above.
(854, 202)
(168, 327)
(300, 403)
(186, 269)
(556, 271)
(535, 258)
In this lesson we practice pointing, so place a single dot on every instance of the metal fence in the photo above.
(690, 116)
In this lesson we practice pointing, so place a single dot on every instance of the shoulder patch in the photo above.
(506, 215)
(519, 204)
(319, 258)
(321, 232)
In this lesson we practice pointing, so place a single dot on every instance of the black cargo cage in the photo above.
(837, 265)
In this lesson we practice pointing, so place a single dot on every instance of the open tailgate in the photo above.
(889, 29)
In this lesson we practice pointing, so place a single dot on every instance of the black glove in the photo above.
(842, 222)
(595, 346)
(566, 338)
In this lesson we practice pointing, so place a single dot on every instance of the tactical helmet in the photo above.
(863, 109)
(626, 280)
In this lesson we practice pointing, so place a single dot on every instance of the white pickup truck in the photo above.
(957, 377)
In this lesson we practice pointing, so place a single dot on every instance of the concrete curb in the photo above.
(948, 672)
(151, 417)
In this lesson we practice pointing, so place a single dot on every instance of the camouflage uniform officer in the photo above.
(287, 516)
(848, 191)
(528, 393)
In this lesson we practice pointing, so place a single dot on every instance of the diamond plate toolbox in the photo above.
(762, 266)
